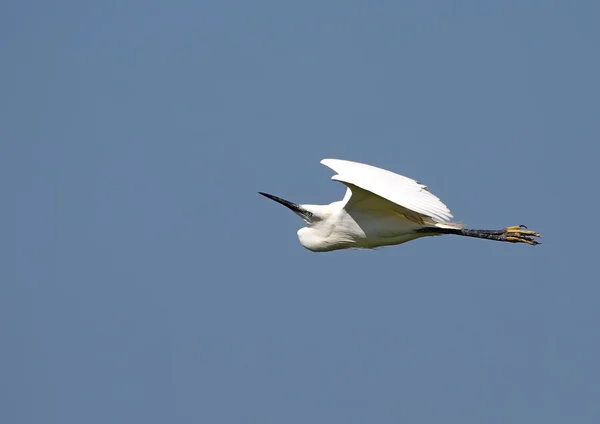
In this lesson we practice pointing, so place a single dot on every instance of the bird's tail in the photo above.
(449, 225)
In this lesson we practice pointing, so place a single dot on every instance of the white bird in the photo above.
(381, 208)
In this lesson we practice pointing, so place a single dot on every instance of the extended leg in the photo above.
(513, 234)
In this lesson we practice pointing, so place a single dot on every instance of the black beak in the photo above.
(293, 206)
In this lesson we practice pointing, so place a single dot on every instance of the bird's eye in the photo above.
(309, 214)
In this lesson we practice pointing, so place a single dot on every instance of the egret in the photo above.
(381, 208)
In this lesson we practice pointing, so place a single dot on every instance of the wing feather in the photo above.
(402, 191)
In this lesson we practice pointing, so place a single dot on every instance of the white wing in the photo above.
(402, 191)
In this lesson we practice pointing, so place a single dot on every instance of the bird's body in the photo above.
(343, 229)
(382, 208)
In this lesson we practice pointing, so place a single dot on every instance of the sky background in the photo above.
(145, 280)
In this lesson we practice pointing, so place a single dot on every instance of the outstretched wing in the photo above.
(402, 191)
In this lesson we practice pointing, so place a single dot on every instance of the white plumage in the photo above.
(381, 208)
(402, 191)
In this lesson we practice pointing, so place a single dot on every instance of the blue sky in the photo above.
(145, 280)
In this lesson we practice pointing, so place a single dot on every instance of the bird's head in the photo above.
(311, 214)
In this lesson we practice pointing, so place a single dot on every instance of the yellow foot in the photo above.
(520, 234)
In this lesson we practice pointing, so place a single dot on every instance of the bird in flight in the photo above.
(381, 208)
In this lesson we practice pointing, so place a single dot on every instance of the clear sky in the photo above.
(144, 280)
